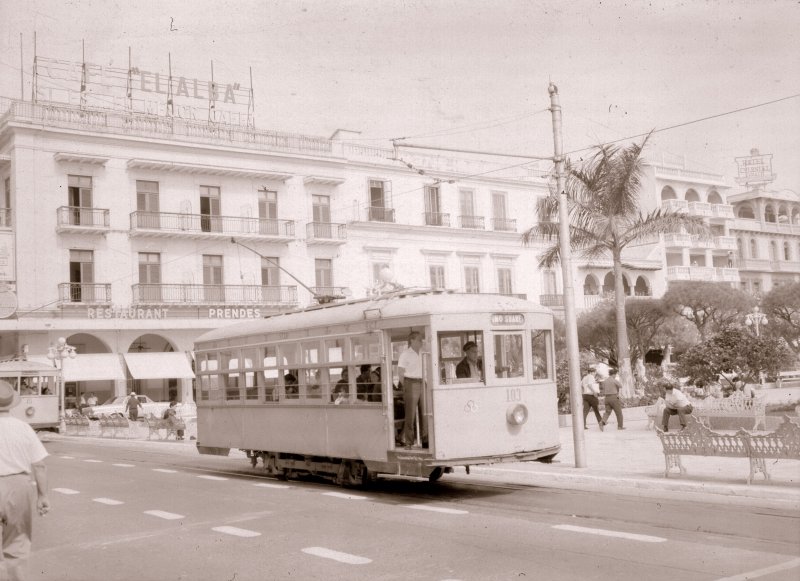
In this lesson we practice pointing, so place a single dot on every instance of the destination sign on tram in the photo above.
(508, 319)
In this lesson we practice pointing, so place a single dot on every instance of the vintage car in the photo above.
(117, 405)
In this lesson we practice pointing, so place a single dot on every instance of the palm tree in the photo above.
(605, 218)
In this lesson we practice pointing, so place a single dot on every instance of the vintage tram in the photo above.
(39, 387)
(316, 391)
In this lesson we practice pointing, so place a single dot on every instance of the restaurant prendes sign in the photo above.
(144, 313)
(141, 91)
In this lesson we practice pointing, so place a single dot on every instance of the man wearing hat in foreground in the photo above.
(471, 366)
(21, 454)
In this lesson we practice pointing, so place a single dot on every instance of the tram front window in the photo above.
(508, 355)
(540, 351)
(461, 356)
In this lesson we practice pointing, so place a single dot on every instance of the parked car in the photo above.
(117, 405)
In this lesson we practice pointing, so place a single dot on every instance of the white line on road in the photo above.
(164, 515)
(337, 556)
(437, 509)
(93, 461)
(343, 495)
(66, 491)
(108, 501)
(269, 485)
(765, 571)
(68, 457)
(164, 470)
(123, 465)
(237, 532)
(606, 533)
(207, 477)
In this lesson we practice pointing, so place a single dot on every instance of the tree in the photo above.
(710, 306)
(605, 218)
(782, 307)
(734, 351)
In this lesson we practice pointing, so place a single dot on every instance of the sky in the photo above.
(464, 74)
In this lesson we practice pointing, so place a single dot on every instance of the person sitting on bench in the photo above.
(675, 402)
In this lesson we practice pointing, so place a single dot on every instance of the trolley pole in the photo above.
(575, 396)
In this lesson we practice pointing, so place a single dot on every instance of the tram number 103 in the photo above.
(514, 394)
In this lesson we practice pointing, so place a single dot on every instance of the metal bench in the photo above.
(155, 425)
(735, 406)
(114, 425)
(77, 424)
(698, 440)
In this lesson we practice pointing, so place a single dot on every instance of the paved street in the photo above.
(147, 513)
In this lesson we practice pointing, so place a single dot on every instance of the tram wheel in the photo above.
(436, 474)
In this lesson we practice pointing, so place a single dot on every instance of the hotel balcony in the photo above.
(170, 225)
(80, 220)
(713, 211)
(704, 273)
(84, 293)
(678, 240)
(504, 224)
(471, 222)
(326, 233)
(380, 214)
(5, 217)
(437, 219)
(214, 294)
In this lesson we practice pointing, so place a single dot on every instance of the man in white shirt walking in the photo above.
(675, 402)
(21, 454)
(409, 369)
(591, 390)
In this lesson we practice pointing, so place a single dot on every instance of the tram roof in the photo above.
(389, 307)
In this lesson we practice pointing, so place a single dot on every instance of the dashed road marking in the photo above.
(336, 556)
(66, 491)
(93, 461)
(164, 470)
(607, 533)
(437, 509)
(207, 477)
(108, 501)
(343, 495)
(270, 485)
(68, 457)
(163, 514)
(236, 531)
(124, 465)
(765, 571)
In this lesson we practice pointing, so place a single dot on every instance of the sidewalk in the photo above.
(629, 461)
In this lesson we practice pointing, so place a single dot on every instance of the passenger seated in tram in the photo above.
(341, 391)
(471, 367)
(26, 388)
(364, 382)
(374, 394)
(292, 387)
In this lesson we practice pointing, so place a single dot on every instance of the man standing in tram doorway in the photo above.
(21, 454)
(409, 369)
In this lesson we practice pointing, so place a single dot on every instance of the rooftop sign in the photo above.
(755, 169)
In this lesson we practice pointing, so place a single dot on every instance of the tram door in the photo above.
(415, 434)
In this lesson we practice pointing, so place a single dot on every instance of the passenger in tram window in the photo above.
(313, 387)
(341, 391)
(27, 389)
(471, 366)
(292, 387)
(375, 391)
(46, 391)
(364, 382)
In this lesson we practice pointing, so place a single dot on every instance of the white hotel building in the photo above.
(116, 228)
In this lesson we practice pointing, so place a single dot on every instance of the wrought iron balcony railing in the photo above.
(84, 293)
(206, 224)
(380, 214)
(504, 224)
(5, 217)
(437, 219)
(326, 231)
(92, 218)
(473, 222)
(213, 294)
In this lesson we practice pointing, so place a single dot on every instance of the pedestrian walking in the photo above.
(591, 390)
(133, 405)
(21, 455)
(610, 388)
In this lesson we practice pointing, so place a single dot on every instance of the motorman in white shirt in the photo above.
(21, 454)
(409, 370)
(675, 402)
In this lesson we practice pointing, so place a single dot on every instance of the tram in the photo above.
(39, 387)
(291, 390)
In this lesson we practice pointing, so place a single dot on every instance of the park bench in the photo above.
(698, 440)
(114, 425)
(790, 376)
(77, 424)
(735, 406)
(155, 425)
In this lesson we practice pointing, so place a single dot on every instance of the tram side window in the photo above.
(366, 369)
(288, 370)
(508, 355)
(270, 375)
(209, 381)
(454, 361)
(540, 354)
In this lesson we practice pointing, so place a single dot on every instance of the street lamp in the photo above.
(57, 354)
(755, 320)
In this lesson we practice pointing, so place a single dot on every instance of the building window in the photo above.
(433, 207)
(380, 209)
(5, 205)
(550, 285)
(773, 251)
(81, 275)
(504, 284)
(270, 271)
(210, 209)
(79, 197)
(149, 276)
(753, 248)
(323, 273)
(472, 279)
(500, 219)
(321, 209)
(466, 204)
(436, 274)
(787, 253)
(213, 290)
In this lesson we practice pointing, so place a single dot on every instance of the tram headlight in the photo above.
(30, 411)
(517, 414)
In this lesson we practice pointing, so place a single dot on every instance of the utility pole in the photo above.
(573, 358)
